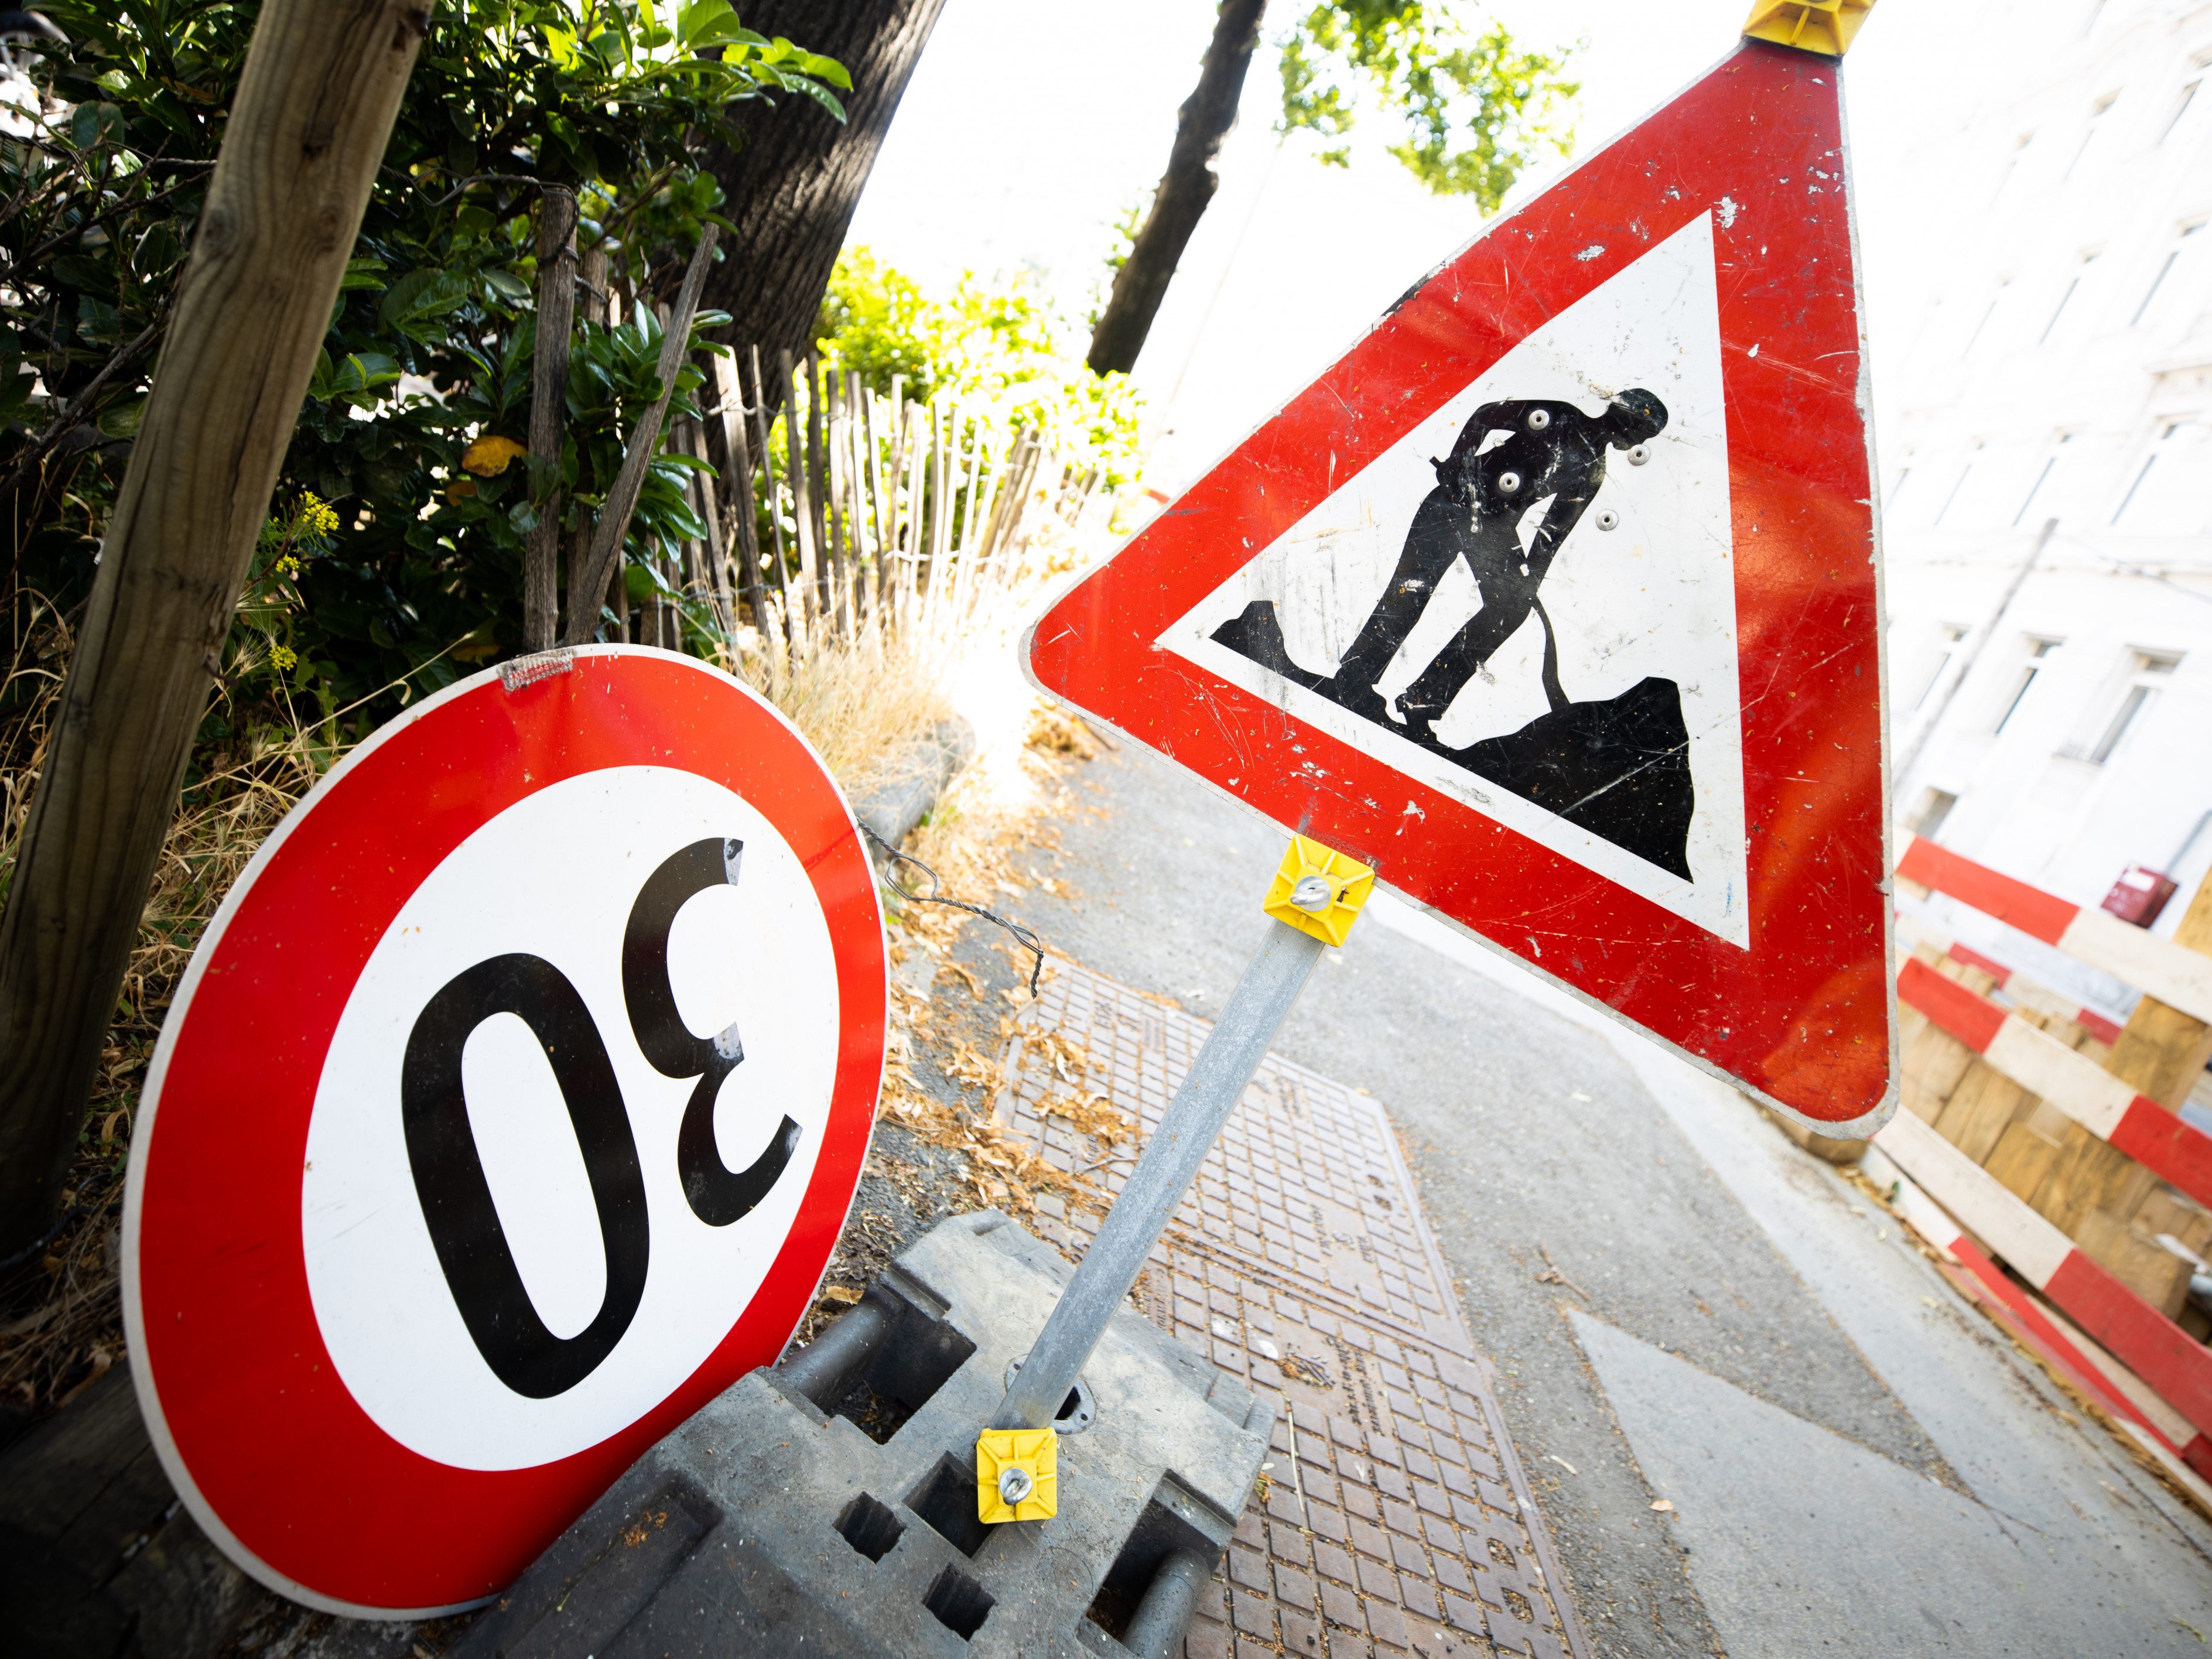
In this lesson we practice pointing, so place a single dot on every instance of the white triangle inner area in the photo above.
(1640, 594)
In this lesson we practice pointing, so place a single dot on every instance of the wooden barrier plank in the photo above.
(2177, 975)
(2073, 1083)
(2137, 1334)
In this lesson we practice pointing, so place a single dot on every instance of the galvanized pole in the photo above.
(1215, 1082)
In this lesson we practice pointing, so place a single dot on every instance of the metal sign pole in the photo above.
(1314, 898)
(1109, 1268)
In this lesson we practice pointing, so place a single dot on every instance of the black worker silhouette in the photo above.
(1618, 767)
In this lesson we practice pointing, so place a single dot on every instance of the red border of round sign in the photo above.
(275, 1459)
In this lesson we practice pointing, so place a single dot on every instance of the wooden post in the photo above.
(856, 490)
(910, 556)
(644, 439)
(774, 515)
(549, 411)
(822, 433)
(979, 480)
(802, 500)
(718, 593)
(888, 578)
(314, 110)
(818, 475)
(738, 486)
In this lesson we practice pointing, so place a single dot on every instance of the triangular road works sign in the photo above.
(1557, 599)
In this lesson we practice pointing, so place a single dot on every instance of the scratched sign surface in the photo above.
(1556, 598)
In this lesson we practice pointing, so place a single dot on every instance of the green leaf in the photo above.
(362, 273)
(417, 303)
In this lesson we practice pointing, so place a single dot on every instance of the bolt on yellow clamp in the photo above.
(1017, 1474)
(1823, 26)
(1318, 891)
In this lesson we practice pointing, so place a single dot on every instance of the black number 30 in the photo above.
(441, 1149)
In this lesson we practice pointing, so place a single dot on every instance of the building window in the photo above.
(2073, 287)
(1952, 634)
(2037, 650)
(1964, 473)
(1988, 311)
(2097, 113)
(2184, 101)
(2012, 165)
(1934, 806)
(2151, 672)
(2184, 250)
(2049, 466)
(2171, 493)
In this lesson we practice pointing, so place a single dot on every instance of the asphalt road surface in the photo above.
(1682, 1305)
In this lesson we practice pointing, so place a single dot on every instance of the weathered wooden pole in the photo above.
(315, 107)
(549, 411)
(604, 557)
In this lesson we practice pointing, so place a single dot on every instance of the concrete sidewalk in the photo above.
(1681, 1305)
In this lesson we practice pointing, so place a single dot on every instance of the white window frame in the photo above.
(2036, 650)
(2149, 670)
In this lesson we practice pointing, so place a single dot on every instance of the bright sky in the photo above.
(1028, 128)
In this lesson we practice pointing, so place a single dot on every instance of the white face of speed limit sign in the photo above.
(567, 1116)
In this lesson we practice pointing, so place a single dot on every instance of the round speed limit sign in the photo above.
(508, 1113)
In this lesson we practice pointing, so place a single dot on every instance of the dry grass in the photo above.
(63, 1329)
(862, 703)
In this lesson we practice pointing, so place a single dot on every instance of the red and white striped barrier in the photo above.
(2027, 992)
(2066, 1078)
(2169, 1437)
(2179, 1370)
(2175, 974)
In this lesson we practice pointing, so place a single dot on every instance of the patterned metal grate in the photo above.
(1302, 1263)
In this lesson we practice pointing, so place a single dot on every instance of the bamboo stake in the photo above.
(894, 542)
(963, 497)
(737, 484)
(802, 511)
(822, 431)
(818, 477)
(549, 411)
(858, 467)
(838, 464)
(644, 438)
(768, 490)
(931, 577)
(1002, 495)
(875, 486)
(714, 580)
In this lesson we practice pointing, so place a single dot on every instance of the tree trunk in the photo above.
(314, 110)
(1185, 189)
(792, 190)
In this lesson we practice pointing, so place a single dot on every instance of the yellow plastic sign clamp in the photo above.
(1017, 1474)
(1823, 26)
(1318, 891)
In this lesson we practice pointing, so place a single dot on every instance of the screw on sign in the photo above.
(508, 1112)
(1557, 599)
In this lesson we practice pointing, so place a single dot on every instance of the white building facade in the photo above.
(2046, 455)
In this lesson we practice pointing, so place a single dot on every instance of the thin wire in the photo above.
(1028, 940)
